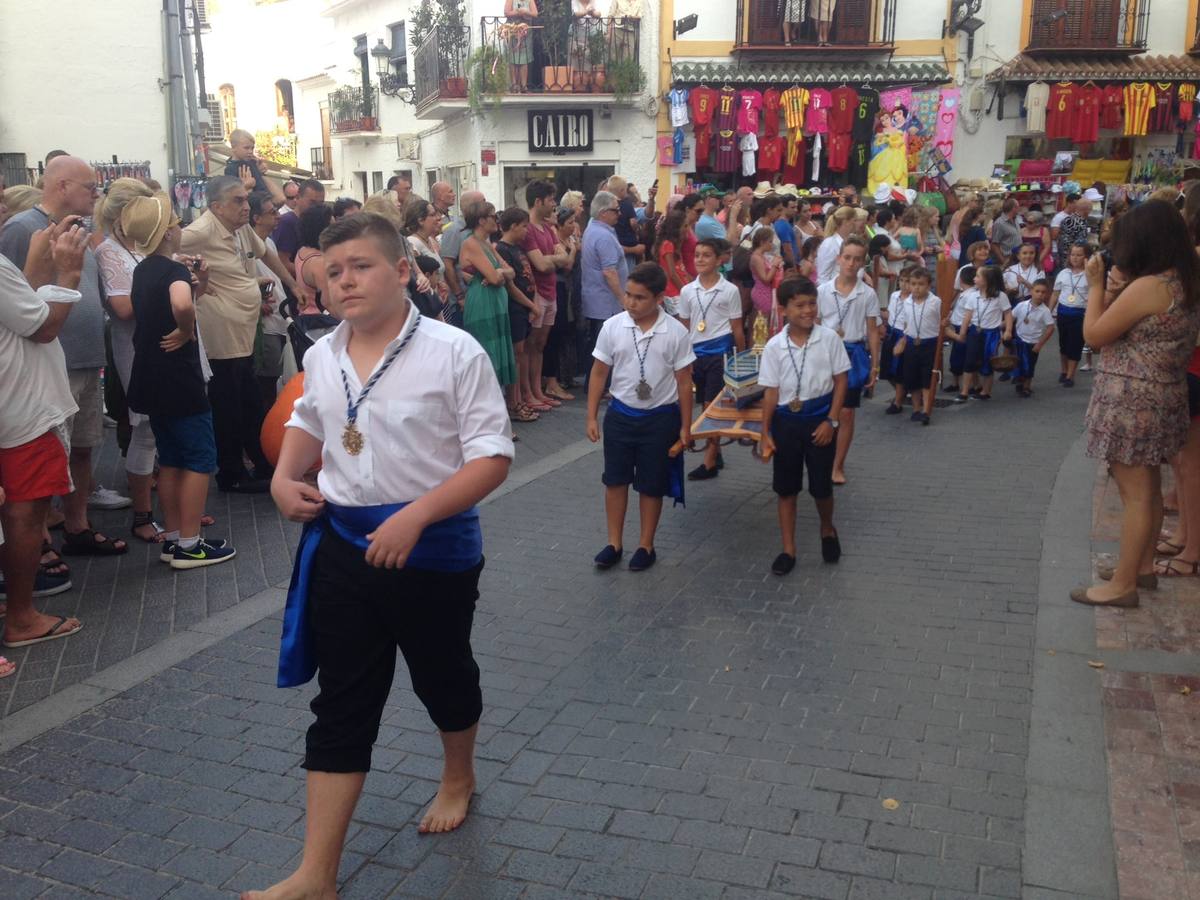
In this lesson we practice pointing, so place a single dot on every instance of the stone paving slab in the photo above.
(699, 730)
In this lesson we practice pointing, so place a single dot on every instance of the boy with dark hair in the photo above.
(407, 419)
(711, 309)
(919, 319)
(650, 358)
(1033, 325)
(850, 308)
(522, 307)
(804, 370)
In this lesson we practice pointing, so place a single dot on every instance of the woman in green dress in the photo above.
(485, 313)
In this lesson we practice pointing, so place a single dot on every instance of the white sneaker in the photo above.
(103, 498)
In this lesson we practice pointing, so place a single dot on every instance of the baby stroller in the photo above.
(304, 331)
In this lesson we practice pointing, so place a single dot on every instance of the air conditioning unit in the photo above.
(408, 146)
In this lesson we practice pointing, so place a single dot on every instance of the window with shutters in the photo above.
(788, 25)
(1089, 26)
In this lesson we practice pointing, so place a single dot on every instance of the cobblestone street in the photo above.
(919, 721)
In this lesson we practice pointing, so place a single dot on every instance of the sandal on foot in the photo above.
(1172, 548)
(560, 395)
(54, 566)
(89, 543)
(1167, 568)
(53, 633)
(146, 520)
(1144, 582)
(522, 413)
(7, 668)
(207, 521)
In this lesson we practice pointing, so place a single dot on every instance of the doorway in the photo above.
(585, 178)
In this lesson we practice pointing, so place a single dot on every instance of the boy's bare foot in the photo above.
(449, 808)
(294, 887)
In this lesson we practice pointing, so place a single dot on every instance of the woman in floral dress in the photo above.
(1145, 316)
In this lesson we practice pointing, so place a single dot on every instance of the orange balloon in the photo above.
(274, 424)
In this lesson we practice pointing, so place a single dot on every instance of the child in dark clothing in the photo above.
(514, 223)
(167, 382)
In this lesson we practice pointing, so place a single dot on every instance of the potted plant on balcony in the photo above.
(556, 25)
(487, 78)
(597, 55)
(625, 78)
(344, 108)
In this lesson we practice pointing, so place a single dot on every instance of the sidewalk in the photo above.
(699, 730)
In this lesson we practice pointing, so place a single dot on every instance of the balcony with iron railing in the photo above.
(777, 27)
(1088, 26)
(567, 55)
(528, 63)
(351, 112)
(440, 71)
(320, 166)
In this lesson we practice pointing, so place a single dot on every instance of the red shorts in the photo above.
(35, 471)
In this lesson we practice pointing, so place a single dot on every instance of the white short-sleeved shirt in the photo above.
(1057, 219)
(1030, 322)
(987, 312)
(961, 303)
(822, 356)
(849, 312)
(436, 408)
(44, 399)
(1072, 288)
(920, 320)
(827, 256)
(1014, 273)
(666, 348)
(716, 307)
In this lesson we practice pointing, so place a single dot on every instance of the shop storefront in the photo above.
(814, 126)
(1124, 126)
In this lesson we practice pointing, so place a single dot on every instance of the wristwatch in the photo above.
(833, 423)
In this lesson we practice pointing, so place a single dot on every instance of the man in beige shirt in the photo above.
(227, 318)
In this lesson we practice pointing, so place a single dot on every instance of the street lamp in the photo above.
(390, 83)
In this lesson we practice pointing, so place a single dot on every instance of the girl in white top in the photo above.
(964, 290)
(890, 361)
(987, 322)
(1020, 276)
(1069, 303)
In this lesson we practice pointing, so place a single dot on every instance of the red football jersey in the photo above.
(702, 101)
(703, 146)
(839, 149)
(770, 112)
(1060, 111)
(770, 154)
(726, 109)
(1086, 127)
(1111, 103)
(843, 111)
(794, 159)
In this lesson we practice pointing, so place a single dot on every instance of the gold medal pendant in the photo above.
(795, 404)
(352, 439)
(700, 326)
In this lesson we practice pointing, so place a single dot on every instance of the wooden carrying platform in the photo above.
(722, 419)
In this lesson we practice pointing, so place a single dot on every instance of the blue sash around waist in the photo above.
(860, 364)
(716, 347)
(451, 545)
(675, 485)
(816, 408)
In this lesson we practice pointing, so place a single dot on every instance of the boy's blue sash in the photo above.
(451, 545)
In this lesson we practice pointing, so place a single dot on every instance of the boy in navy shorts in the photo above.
(711, 310)
(804, 369)
(167, 382)
(650, 358)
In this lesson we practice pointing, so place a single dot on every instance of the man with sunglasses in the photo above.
(69, 193)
